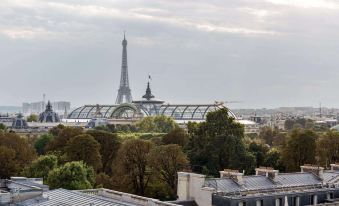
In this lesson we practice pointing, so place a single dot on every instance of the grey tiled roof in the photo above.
(297, 179)
(223, 184)
(331, 176)
(73, 198)
(258, 182)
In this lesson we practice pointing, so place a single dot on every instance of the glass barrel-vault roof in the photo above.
(187, 112)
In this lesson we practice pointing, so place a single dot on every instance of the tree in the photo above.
(259, 150)
(167, 161)
(268, 134)
(16, 153)
(55, 131)
(41, 143)
(279, 140)
(72, 176)
(299, 149)
(273, 159)
(125, 128)
(328, 148)
(299, 123)
(159, 124)
(177, 136)
(60, 141)
(131, 165)
(2, 127)
(217, 144)
(227, 152)
(84, 148)
(109, 146)
(7, 162)
(41, 167)
(32, 118)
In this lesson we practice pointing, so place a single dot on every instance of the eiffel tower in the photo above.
(124, 92)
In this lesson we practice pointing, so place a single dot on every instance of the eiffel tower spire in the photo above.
(124, 92)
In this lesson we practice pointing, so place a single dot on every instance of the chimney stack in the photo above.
(233, 174)
(335, 167)
(319, 171)
(268, 172)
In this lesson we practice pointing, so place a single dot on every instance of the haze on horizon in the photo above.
(266, 53)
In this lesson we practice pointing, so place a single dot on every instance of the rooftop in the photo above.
(271, 181)
(97, 197)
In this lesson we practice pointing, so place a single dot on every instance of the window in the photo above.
(279, 202)
(260, 202)
(295, 201)
(330, 196)
(242, 204)
(313, 199)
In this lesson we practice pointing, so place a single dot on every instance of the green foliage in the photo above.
(300, 123)
(220, 123)
(259, 150)
(328, 148)
(72, 176)
(248, 163)
(279, 140)
(8, 164)
(159, 124)
(32, 118)
(131, 166)
(41, 143)
(103, 180)
(55, 131)
(144, 136)
(177, 136)
(267, 133)
(64, 135)
(84, 148)
(126, 128)
(299, 149)
(3, 127)
(15, 154)
(273, 159)
(109, 146)
(167, 161)
(41, 167)
(217, 144)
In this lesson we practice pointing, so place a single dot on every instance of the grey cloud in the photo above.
(265, 52)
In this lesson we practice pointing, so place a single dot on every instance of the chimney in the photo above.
(335, 167)
(233, 174)
(268, 172)
(319, 171)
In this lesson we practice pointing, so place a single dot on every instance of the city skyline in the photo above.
(267, 53)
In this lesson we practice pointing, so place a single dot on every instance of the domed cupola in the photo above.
(48, 115)
(19, 123)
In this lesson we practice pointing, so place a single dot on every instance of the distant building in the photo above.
(7, 120)
(312, 186)
(250, 127)
(38, 107)
(49, 115)
(147, 106)
(19, 123)
(326, 122)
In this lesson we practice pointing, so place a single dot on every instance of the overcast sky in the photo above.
(265, 53)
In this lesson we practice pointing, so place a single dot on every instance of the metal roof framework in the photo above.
(189, 112)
